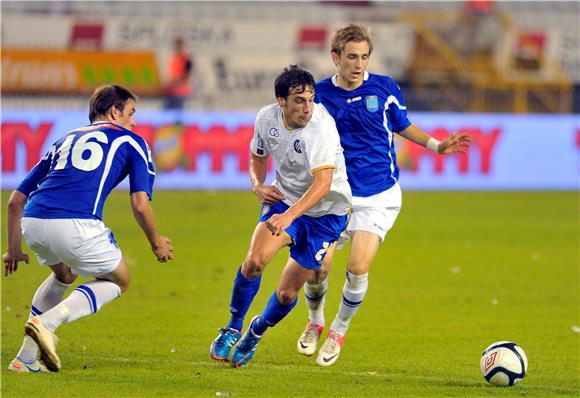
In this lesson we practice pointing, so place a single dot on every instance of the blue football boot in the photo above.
(244, 350)
(221, 346)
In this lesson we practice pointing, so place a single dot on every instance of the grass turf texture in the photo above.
(458, 272)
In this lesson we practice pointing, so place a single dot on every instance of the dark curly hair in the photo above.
(291, 78)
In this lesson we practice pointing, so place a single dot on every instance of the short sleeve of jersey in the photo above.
(397, 108)
(258, 145)
(141, 170)
(38, 172)
(320, 143)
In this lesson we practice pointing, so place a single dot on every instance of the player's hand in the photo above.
(455, 143)
(268, 194)
(11, 261)
(278, 223)
(163, 250)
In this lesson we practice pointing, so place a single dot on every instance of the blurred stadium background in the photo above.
(463, 65)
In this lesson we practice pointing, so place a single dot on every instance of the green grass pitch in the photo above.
(458, 272)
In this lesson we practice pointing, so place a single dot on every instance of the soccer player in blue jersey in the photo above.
(58, 208)
(368, 110)
(304, 209)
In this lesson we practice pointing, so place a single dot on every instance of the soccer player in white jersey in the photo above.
(367, 109)
(58, 207)
(305, 208)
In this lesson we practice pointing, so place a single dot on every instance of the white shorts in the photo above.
(86, 246)
(376, 213)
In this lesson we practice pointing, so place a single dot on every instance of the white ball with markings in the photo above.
(504, 363)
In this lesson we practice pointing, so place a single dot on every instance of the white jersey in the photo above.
(301, 152)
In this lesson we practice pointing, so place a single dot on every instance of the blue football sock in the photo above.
(243, 293)
(272, 314)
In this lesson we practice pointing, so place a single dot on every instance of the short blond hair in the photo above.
(352, 32)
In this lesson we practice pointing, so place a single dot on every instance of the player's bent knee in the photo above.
(253, 267)
(123, 287)
(63, 273)
(120, 277)
(286, 296)
(358, 269)
(124, 283)
(67, 278)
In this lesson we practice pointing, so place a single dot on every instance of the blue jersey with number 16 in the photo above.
(79, 171)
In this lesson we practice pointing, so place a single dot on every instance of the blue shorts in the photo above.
(311, 236)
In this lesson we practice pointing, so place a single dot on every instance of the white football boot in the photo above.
(46, 341)
(330, 350)
(19, 366)
(309, 339)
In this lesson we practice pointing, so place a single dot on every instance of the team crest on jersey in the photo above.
(297, 146)
(372, 103)
(265, 210)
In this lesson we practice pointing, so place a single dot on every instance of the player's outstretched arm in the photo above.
(455, 143)
(143, 212)
(14, 253)
(318, 190)
(267, 194)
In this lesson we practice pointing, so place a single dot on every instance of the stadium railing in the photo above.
(443, 78)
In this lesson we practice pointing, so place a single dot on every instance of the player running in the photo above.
(368, 110)
(304, 209)
(58, 207)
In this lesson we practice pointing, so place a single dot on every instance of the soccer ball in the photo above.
(504, 363)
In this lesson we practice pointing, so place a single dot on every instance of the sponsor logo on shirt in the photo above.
(274, 132)
(372, 103)
(355, 99)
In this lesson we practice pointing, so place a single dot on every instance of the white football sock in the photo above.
(353, 293)
(315, 294)
(49, 293)
(85, 300)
